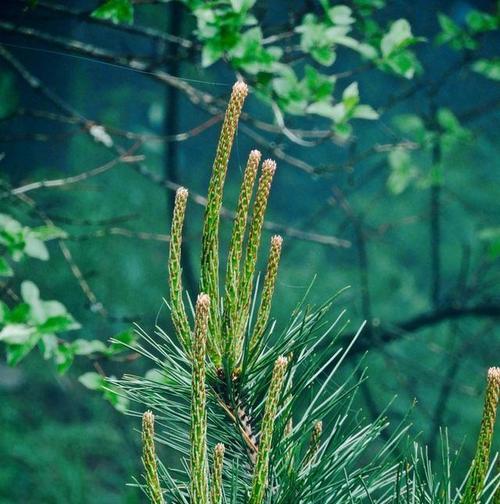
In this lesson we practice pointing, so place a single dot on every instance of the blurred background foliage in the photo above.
(383, 117)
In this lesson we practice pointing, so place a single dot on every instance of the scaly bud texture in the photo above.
(149, 459)
(261, 470)
(199, 467)
(267, 291)
(477, 476)
(179, 317)
(236, 249)
(216, 491)
(246, 281)
(210, 240)
(314, 442)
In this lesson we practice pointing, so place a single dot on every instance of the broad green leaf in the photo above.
(398, 36)
(452, 34)
(31, 295)
(19, 314)
(92, 381)
(488, 68)
(116, 398)
(122, 341)
(16, 353)
(325, 55)
(59, 323)
(341, 15)
(343, 131)
(448, 121)
(316, 39)
(334, 112)
(403, 172)
(350, 98)
(86, 347)
(403, 63)
(412, 126)
(479, 22)
(16, 334)
(5, 268)
(242, 5)
(365, 112)
(117, 11)
(64, 357)
(49, 344)
(210, 54)
(319, 87)
(34, 247)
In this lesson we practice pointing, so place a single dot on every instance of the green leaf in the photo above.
(242, 5)
(412, 126)
(34, 247)
(453, 34)
(16, 334)
(59, 323)
(19, 314)
(92, 381)
(343, 131)
(31, 295)
(210, 54)
(122, 341)
(448, 121)
(334, 112)
(325, 55)
(119, 402)
(398, 36)
(341, 15)
(117, 11)
(488, 68)
(16, 353)
(64, 357)
(403, 172)
(365, 112)
(479, 22)
(403, 63)
(48, 344)
(5, 268)
(86, 347)
(316, 39)
(350, 97)
(319, 87)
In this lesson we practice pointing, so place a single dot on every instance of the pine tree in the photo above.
(252, 410)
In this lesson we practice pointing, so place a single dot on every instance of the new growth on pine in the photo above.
(256, 414)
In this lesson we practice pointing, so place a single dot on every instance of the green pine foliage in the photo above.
(256, 412)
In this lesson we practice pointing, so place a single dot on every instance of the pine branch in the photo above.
(313, 443)
(236, 251)
(199, 466)
(210, 241)
(261, 471)
(267, 291)
(477, 477)
(246, 281)
(149, 459)
(179, 317)
(216, 489)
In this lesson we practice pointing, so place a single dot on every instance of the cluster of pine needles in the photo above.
(252, 414)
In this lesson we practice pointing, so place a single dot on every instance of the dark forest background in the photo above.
(399, 201)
